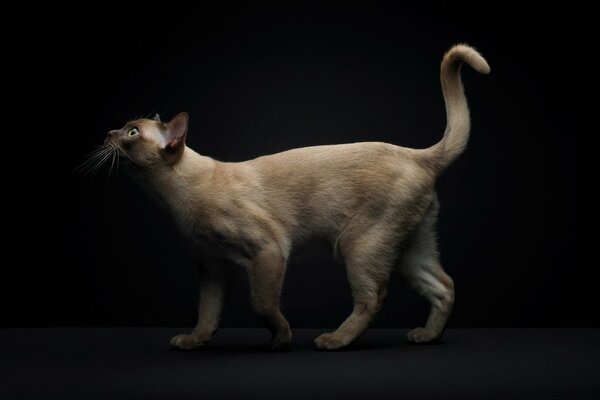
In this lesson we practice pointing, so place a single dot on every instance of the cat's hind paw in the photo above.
(422, 336)
(187, 342)
(330, 341)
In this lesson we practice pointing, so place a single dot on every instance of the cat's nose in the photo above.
(112, 133)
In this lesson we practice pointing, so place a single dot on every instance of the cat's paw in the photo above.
(422, 335)
(281, 340)
(330, 341)
(187, 342)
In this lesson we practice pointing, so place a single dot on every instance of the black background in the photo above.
(258, 78)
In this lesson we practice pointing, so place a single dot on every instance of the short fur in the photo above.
(374, 202)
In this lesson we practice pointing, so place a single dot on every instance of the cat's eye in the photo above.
(133, 132)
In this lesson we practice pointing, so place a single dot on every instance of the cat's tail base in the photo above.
(458, 123)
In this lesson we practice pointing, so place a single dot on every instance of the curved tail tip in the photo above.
(484, 68)
(469, 55)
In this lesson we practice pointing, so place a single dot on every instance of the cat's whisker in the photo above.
(112, 161)
(91, 167)
(120, 149)
(97, 149)
(91, 159)
(100, 162)
(95, 152)
(98, 153)
(103, 159)
(149, 114)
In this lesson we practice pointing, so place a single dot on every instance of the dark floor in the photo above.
(136, 363)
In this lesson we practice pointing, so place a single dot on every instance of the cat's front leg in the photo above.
(266, 279)
(214, 278)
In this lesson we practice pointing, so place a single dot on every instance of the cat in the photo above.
(374, 202)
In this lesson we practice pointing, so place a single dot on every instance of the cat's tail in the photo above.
(458, 121)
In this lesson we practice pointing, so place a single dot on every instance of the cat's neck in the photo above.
(171, 183)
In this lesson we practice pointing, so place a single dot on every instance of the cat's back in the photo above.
(343, 170)
(340, 158)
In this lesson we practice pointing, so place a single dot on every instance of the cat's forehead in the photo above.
(143, 123)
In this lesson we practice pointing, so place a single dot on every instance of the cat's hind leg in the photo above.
(421, 267)
(214, 279)
(369, 261)
(265, 276)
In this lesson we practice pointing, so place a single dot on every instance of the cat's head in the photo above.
(150, 142)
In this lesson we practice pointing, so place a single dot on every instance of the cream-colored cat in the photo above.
(374, 202)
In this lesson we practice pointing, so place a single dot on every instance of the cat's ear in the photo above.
(175, 133)
(157, 118)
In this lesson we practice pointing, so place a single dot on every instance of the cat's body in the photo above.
(375, 204)
(295, 195)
